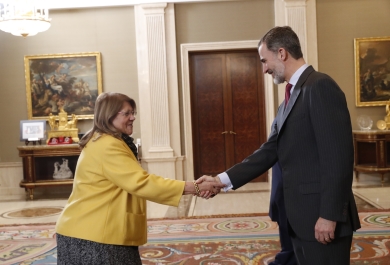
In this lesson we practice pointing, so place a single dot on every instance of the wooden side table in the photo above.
(38, 165)
(372, 151)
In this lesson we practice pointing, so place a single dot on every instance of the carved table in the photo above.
(39, 165)
(372, 151)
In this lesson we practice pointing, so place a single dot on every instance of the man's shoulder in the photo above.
(311, 72)
(316, 76)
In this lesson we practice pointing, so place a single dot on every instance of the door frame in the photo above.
(186, 93)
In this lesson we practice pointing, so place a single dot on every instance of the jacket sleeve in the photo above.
(331, 125)
(257, 163)
(120, 167)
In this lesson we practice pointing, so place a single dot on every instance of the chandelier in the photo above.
(23, 18)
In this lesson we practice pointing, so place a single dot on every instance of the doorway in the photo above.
(227, 109)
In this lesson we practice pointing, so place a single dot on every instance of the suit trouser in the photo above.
(286, 255)
(315, 253)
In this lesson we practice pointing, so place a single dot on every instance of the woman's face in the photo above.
(124, 119)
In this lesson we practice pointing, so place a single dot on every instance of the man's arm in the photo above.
(332, 128)
(255, 164)
(248, 164)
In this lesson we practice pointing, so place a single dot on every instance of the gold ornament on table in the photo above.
(63, 128)
(387, 118)
(385, 124)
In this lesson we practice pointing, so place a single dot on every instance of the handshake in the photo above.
(206, 187)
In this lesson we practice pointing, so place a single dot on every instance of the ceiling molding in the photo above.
(70, 4)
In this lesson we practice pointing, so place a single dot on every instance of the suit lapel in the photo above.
(284, 112)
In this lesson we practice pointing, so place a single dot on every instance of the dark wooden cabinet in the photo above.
(372, 152)
(39, 165)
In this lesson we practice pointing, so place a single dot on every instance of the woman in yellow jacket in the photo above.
(104, 220)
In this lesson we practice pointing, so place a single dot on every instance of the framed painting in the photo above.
(69, 82)
(372, 71)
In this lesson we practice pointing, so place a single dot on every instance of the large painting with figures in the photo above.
(68, 82)
(372, 71)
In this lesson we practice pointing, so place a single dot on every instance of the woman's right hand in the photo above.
(210, 188)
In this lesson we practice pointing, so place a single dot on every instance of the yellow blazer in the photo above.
(110, 189)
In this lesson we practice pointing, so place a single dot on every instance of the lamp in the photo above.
(23, 18)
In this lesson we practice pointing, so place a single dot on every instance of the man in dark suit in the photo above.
(277, 213)
(312, 141)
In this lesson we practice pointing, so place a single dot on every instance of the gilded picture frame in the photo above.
(372, 71)
(70, 82)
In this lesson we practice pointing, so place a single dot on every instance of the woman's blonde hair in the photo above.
(107, 106)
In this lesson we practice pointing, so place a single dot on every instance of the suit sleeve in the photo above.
(331, 124)
(257, 163)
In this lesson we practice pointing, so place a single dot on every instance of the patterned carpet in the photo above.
(213, 241)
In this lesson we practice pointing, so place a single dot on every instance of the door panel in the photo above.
(248, 111)
(208, 113)
(227, 107)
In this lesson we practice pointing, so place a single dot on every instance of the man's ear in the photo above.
(282, 54)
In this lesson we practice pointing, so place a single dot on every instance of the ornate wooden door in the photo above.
(228, 109)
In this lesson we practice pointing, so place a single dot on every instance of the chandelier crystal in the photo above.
(23, 18)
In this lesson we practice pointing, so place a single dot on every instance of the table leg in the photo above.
(31, 192)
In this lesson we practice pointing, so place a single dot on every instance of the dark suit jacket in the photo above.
(276, 205)
(312, 140)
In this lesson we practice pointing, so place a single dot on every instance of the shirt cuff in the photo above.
(224, 177)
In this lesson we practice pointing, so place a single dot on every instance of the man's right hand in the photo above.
(206, 194)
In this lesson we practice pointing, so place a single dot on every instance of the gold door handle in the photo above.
(231, 132)
(224, 132)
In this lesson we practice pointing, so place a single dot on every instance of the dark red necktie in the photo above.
(287, 94)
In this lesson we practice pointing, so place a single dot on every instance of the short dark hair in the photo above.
(282, 37)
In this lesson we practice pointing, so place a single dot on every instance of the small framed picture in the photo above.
(32, 130)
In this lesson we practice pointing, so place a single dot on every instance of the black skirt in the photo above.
(75, 251)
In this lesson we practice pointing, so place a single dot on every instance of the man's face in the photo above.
(272, 64)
